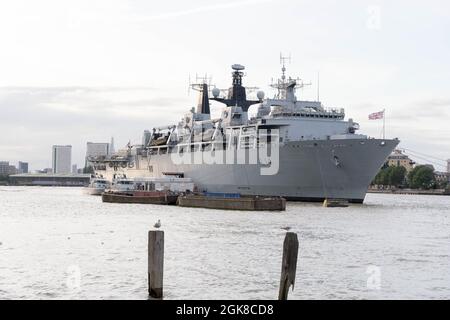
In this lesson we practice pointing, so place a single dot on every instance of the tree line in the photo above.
(421, 177)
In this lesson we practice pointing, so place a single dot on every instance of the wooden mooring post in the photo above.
(289, 264)
(155, 263)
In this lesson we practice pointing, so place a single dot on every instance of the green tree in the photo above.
(390, 176)
(4, 179)
(380, 178)
(422, 177)
(396, 175)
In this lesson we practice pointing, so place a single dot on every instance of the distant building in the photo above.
(111, 146)
(448, 166)
(74, 169)
(4, 168)
(442, 177)
(61, 159)
(398, 159)
(96, 149)
(146, 138)
(50, 179)
(23, 167)
(7, 169)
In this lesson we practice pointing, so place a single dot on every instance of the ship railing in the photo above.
(244, 142)
(325, 113)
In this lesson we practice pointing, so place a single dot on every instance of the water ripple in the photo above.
(57, 243)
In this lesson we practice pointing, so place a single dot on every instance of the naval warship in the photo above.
(292, 148)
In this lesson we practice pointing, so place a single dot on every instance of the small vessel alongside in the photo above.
(96, 187)
(247, 203)
(143, 197)
(122, 185)
(148, 190)
(335, 203)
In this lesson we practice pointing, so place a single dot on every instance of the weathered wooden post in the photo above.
(289, 264)
(155, 263)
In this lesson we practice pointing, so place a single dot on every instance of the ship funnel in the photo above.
(203, 101)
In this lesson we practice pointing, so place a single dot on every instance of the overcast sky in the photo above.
(86, 70)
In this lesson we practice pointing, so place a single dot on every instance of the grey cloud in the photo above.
(36, 117)
(61, 107)
(424, 110)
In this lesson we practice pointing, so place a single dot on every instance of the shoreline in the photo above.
(434, 192)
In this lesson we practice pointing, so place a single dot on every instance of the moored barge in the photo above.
(143, 197)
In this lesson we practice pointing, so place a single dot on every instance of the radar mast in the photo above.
(286, 86)
(237, 92)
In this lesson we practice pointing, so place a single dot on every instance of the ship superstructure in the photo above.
(292, 148)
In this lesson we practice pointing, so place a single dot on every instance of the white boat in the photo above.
(96, 187)
(122, 185)
(173, 184)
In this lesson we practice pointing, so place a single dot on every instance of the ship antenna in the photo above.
(189, 86)
(282, 84)
(318, 85)
(283, 60)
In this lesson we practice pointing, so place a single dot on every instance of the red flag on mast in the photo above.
(376, 115)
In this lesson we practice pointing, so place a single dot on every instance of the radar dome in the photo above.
(237, 67)
(260, 95)
(215, 92)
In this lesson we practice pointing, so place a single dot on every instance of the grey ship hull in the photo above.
(307, 171)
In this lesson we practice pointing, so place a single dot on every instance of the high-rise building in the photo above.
(6, 168)
(23, 167)
(61, 159)
(111, 146)
(146, 138)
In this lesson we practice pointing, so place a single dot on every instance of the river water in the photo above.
(56, 243)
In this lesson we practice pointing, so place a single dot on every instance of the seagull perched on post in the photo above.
(158, 224)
